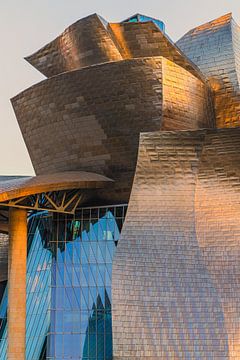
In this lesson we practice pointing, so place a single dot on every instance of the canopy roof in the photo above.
(25, 186)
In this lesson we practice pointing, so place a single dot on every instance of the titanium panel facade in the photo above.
(217, 212)
(85, 43)
(92, 41)
(214, 48)
(136, 40)
(175, 291)
(94, 116)
(175, 281)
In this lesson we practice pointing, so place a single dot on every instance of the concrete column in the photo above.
(17, 266)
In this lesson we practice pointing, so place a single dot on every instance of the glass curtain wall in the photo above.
(69, 273)
(81, 323)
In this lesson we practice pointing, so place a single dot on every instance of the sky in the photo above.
(27, 25)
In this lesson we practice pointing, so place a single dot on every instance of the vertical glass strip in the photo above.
(81, 320)
(69, 272)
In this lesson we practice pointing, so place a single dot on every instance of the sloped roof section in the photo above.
(214, 48)
(85, 43)
(92, 41)
(211, 25)
(13, 189)
(136, 40)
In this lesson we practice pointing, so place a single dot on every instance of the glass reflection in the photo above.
(69, 273)
(81, 322)
(142, 18)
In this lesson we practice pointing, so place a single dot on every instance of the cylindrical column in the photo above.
(17, 266)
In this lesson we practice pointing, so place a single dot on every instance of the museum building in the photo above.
(126, 243)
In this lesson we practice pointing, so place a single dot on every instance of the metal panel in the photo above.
(90, 119)
(85, 43)
(214, 48)
(175, 274)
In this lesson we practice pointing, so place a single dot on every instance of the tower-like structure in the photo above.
(125, 245)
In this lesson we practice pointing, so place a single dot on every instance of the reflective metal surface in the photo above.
(90, 119)
(214, 48)
(69, 272)
(175, 277)
(175, 285)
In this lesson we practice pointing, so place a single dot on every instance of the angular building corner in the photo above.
(215, 49)
(125, 245)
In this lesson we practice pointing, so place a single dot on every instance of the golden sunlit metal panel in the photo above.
(132, 250)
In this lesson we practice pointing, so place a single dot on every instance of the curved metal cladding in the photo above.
(28, 186)
(187, 101)
(92, 41)
(214, 48)
(165, 305)
(136, 40)
(85, 43)
(90, 119)
(175, 277)
(217, 210)
(176, 270)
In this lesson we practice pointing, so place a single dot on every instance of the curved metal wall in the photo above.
(145, 39)
(90, 119)
(187, 102)
(85, 43)
(175, 274)
(217, 211)
(92, 41)
(214, 48)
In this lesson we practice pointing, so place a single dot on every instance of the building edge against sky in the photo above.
(126, 243)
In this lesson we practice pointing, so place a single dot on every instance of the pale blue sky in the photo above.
(27, 25)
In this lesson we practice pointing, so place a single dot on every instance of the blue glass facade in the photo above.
(142, 18)
(81, 326)
(69, 271)
(38, 290)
